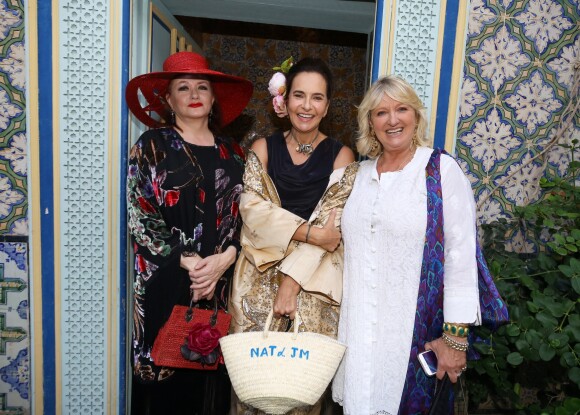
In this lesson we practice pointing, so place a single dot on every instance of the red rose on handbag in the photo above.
(190, 338)
(203, 339)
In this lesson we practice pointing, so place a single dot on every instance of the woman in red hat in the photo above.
(183, 189)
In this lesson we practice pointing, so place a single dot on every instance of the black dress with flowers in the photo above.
(181, 197)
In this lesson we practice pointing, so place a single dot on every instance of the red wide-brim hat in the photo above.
(232, 93)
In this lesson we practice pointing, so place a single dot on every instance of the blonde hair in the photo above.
(397, 89)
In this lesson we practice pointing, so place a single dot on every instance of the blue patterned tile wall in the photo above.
(14, 308)
(522, 65)
(14, 329)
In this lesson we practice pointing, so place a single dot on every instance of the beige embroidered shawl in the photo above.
(268, 251)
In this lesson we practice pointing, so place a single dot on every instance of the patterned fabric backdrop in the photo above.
(254, 58)
(521, 60)
(14, 309)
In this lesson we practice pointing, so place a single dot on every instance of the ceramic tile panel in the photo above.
(521, 73)
(13, 177)
(14, 329)
(14, 290)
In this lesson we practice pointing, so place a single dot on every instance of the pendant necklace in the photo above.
(304, 148)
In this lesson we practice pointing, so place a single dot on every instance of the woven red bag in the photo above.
(190, 338)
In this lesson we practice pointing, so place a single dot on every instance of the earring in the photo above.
(415, 139)
(172, 117)
(374, 145)
(210, 115)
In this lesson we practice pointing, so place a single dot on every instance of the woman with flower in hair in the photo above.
(295, 185)
(183, 191)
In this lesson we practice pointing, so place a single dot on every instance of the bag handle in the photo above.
(269, 322)
(189, 312)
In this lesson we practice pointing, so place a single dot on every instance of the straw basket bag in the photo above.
(278, 371)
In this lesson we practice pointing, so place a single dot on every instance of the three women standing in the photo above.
(184, 186)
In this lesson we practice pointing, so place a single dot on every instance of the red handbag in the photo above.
(190, 338)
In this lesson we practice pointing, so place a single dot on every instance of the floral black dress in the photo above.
(181, 197)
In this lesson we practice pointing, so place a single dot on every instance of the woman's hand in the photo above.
(448, 359)
(327, 237)
(188, 262)
(286, 300)
(207, 271)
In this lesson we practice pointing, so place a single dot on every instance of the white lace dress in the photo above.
(383, 225)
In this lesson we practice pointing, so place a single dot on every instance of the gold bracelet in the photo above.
(456, 329)
(454, 344)
(308, 232)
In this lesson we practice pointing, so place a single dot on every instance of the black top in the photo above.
(301, 186)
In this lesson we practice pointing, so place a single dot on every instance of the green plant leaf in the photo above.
(527, 322)
(558, 340)
(521, 344)
(568, 359)
(513, 330)
(566, 270)
(557, 309)
(533, 307)
(546, 352)
(572, 405)
(559, 238)
(573, 332)
(495, 268)
(515, 358)
(547, 320)
(529, 282)
(530, 354)
(545, 262)
(574, 375)
(576, 284)
(500, 349)
(534, 338)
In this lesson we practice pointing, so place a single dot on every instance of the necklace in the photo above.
(405, 161)
(304, 148)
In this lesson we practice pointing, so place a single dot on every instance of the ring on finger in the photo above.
(464, 368)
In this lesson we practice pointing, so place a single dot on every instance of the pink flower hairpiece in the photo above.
(277, 87)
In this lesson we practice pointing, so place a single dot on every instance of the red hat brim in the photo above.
(232, 94)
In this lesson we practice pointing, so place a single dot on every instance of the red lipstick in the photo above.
(195, 105)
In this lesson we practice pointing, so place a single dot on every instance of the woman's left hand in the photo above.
(208, 271)
(449, 360)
